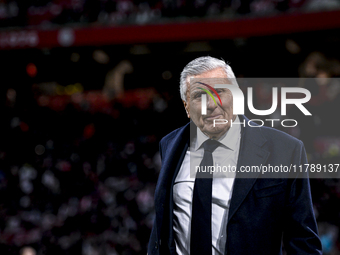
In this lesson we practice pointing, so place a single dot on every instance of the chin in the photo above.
(215, 131)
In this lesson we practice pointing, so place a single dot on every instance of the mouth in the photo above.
(212, 117)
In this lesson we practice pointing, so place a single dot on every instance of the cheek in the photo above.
(195, 107)
(228, 102)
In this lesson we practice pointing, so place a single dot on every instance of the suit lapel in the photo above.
(251, 154)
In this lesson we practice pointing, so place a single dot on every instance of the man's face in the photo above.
(193, 105)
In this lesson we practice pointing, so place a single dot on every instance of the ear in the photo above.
(186, 106)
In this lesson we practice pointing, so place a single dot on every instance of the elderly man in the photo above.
(240, 214)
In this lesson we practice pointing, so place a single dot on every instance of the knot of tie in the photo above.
(210, 145)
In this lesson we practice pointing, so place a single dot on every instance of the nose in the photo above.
(211, 104)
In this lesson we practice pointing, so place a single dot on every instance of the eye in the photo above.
(219, 91)
(198, 94)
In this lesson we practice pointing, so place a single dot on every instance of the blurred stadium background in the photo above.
(89, 87)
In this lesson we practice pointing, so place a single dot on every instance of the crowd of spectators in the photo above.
(49, 13)
(75, 180)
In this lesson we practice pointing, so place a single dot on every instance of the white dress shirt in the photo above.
(224, 155)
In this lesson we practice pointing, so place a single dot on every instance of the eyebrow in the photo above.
(208, 92)
(212, 89)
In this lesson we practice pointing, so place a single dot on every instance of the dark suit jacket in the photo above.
(263, 211)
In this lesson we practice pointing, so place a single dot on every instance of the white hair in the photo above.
(198, 66)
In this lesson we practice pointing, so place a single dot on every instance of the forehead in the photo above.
(211, 78)
(215, 73)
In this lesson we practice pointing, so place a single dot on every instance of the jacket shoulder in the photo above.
(271, 135)
(278, 136)
(280, 142)
(172, 135)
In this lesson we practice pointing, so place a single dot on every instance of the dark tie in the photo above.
(200, 242)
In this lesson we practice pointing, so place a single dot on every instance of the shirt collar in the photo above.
(229, 139)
